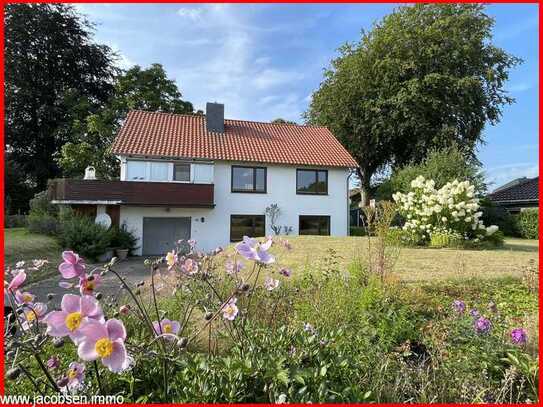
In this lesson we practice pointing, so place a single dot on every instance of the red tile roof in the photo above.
(185, 136)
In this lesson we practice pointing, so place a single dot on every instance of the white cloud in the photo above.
(519, 87)
(269, 78)
(497, 176)
(193, 14)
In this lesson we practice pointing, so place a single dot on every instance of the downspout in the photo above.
(348, 203)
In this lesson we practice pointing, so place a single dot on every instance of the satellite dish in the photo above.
(103, 219)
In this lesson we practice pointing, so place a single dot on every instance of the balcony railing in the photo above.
(133, 193)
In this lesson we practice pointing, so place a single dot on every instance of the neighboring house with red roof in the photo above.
(516, 195)
(210, 179)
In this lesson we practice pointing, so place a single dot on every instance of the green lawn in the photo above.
(413, 264)
(20, 244)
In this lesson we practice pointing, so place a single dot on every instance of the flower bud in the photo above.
(58, 342)
(124, 309)
(182, 342)
(62, 382)
(208, 316)
(13, 373)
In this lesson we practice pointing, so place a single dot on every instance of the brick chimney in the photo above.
(215, 117)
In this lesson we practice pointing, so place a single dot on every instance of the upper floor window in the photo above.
(312, 182)
(159, 171)
(181, 172)
(135, 170)
(248, 179)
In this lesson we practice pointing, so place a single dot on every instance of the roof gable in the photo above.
(185, 136)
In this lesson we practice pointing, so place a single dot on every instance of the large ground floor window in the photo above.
(247, 225)
(314, 225)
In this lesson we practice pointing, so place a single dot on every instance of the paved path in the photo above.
(132, 270)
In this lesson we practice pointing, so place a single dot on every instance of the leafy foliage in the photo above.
(440, 165)
(83, 235)
(136, 89)
(528, 223)
(42, 217)
(54, 76)
(403, 81)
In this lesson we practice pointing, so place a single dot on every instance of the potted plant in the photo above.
(123, 241)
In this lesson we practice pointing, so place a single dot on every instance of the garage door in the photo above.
(161, 234)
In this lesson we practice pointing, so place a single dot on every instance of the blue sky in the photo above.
(264, 61)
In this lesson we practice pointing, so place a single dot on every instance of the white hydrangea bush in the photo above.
(452, 209)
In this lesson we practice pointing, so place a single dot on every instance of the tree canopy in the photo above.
(54, 76)
(425, 77)
(137, 88)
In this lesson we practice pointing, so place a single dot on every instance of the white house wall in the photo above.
(281, 189)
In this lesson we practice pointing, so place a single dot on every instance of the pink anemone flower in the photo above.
(190, 266)
(73, 265)
(230, 309)
(251, 249)
(271, 283)
(105, 342)
(233, 267)
(88, 284)
(166, 327)
(24, 297)
(17, 281)
(33, 313)
(75, 312)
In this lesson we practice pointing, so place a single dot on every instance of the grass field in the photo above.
(413, 264)
(20, 244)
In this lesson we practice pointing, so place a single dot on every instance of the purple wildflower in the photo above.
(519, 336)
(459, 306)
(474, 313)
(251, 249)
(482, 325)
(75, 375)
(285, 272)
(53, 362)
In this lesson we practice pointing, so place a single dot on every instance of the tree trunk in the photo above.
(364, 177)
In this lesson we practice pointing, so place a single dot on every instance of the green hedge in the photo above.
(528, 223)
(358, 231)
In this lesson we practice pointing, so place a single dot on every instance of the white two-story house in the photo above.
(210, 179)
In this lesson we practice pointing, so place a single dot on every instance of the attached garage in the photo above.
(161, 234)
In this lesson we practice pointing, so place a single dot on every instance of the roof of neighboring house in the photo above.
(185, 136)
(522, 189)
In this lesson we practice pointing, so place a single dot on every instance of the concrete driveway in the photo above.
(131, 269)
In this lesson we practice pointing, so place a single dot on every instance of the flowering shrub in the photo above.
(451, 212)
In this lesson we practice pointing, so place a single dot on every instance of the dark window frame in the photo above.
(316, 171)
(249, 191)
(232, 216)
(174, 171)
(329, 223)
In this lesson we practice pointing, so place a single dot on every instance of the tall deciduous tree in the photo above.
(53, 70)
(143, 89)
(426, 76)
